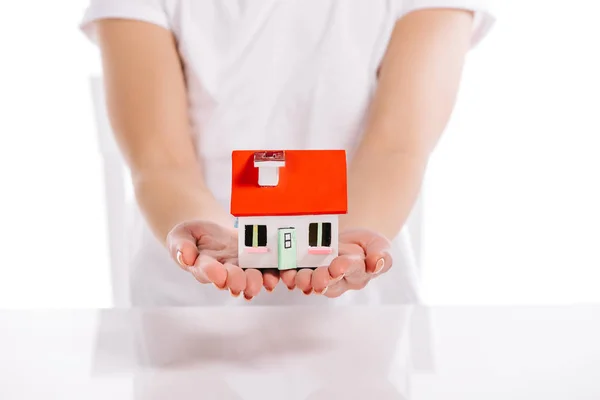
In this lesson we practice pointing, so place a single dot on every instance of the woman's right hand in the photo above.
(210, 253)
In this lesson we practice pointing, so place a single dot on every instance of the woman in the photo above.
(189, 81)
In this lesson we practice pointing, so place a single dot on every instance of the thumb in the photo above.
(376, 248)
(182, 246)
(378, 258)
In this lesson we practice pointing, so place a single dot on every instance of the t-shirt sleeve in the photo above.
(484, 14)
(152, 11)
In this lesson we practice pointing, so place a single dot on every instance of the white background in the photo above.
(512, 197)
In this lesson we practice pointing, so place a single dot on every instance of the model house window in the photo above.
(319, 234)
(255, 235)
(287, 241)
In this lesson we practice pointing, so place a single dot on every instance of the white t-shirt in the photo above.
(273, 74)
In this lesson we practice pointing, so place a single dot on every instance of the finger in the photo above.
(254, 282)
(378, 262)
(212, 269)
(236, 279)
(357, 276)
(288, 277)
(354, 281)
(376, 248)
(343, 266)
(320, 280)
(303, 280)
(358, 282)
(208, 270)
(270, 279)
(182, 247)
(336, 290)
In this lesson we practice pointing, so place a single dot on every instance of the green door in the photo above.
(286, 245)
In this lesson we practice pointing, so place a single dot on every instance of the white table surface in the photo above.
(302, 353)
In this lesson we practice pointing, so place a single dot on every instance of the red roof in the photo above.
(312, 182)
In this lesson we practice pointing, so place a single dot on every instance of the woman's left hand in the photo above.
(363, 255)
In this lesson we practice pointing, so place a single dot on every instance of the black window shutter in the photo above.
(326, 238)
(262, 235)
(313, 233)
(248, 235)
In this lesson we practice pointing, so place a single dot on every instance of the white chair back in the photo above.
(415, 231)
(117, 202)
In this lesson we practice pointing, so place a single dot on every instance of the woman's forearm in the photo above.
(148, 109)
(171, 196)
(383, 186)
(418, 83)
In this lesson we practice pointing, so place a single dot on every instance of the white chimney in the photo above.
(268, 164)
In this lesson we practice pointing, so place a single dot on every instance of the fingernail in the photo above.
(336, 280)
(270, 290)
(248, 298)
(380, 265)
(291, 288)
(234, 294)
(324, 290)
(180, 259)
(218, 287)
(309, 292)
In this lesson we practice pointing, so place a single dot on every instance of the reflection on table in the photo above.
(410, 353)
(262, 353)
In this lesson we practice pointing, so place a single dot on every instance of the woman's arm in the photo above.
(147, 104)
(418, 83)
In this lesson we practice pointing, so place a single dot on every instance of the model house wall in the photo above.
(259, 258)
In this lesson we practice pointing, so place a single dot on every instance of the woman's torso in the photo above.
(273, 74)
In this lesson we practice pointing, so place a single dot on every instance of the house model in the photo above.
(287, 205)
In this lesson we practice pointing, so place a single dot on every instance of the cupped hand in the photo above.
(363, 255)
(210, 253)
